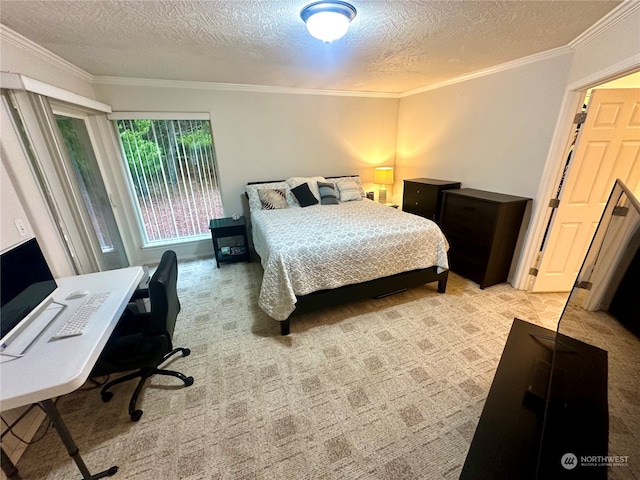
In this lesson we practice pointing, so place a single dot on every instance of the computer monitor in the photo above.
(26, 285)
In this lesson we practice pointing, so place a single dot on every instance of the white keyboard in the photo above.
(77, 322)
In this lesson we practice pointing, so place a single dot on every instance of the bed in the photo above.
(316, 255)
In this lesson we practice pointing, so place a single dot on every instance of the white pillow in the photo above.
(355, 178)
(293, 182)
(254, 198)
(349, 191)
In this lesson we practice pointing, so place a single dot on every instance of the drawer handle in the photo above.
(417, 203)
(418, 191)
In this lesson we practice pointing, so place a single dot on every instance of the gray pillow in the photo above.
(327, 193)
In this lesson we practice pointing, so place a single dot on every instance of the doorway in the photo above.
(64, 167)
(92, 191)
(598, 155)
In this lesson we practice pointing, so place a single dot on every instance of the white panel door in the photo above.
(608, 148)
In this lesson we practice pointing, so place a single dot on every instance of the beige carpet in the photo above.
(380, 389)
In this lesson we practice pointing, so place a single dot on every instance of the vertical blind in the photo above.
(172, 170)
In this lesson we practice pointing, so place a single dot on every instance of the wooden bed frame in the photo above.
(377, 288)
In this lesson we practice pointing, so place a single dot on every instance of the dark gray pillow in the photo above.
(328, 193)
(304, 196)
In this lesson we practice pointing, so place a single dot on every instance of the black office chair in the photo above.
(143, 341)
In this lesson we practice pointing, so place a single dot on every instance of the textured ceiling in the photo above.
(393, 46)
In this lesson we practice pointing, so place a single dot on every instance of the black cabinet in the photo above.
(228, 227)
(482, 229)
(422, 196)
(514, 438)
(625, 306)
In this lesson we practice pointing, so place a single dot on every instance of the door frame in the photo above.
(86, 116)
(556, 160)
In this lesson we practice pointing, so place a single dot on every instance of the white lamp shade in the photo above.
(327, 26)
(383, 176)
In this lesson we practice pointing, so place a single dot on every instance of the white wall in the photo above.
(611, 49)
(490, 133)
(270, 136)
(11, 212)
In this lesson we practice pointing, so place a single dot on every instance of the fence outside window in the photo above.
(172, 170)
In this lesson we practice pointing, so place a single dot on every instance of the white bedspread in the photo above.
(304, 250)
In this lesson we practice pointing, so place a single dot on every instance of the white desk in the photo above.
(51, 368)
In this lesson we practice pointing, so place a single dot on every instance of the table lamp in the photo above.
(383, 176)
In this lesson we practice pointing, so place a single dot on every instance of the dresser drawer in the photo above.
(471, 264)
(466, 217)
(423, 196)
(419, 199)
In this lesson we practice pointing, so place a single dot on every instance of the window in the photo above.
(172, 170)
(91, 187)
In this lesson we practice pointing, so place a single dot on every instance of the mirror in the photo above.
(603, 310)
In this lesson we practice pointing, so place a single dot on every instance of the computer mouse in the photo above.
(77, 294)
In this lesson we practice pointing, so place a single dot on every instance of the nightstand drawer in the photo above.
(418, 198)
(221, 232)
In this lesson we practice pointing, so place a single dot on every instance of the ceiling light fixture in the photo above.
(328, 21)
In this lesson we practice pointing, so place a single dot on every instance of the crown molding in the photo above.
(626, 8)
(492, 70)
(16, 81)
(233, 87)
(8, 35)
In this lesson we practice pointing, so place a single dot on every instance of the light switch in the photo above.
(20, 227)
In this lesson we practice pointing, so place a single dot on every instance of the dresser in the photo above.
(423, 196)
(482, 229)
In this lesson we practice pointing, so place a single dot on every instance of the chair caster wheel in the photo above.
(135, 416)
(186, 352)
(188, 382)
(106, 396)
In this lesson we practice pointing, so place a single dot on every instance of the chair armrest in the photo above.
(139, 294)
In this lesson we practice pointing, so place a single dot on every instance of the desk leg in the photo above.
(8, 467)
(52, 412)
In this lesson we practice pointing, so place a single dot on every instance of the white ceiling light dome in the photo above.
(328, 21)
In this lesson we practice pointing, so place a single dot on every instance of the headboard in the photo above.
(275, 181)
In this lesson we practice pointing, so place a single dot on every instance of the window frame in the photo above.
(193, 245)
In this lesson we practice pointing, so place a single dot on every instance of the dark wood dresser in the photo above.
(423, 196)
(482, 229)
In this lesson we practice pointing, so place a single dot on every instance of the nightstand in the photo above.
(423, 196)
(228, 227)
